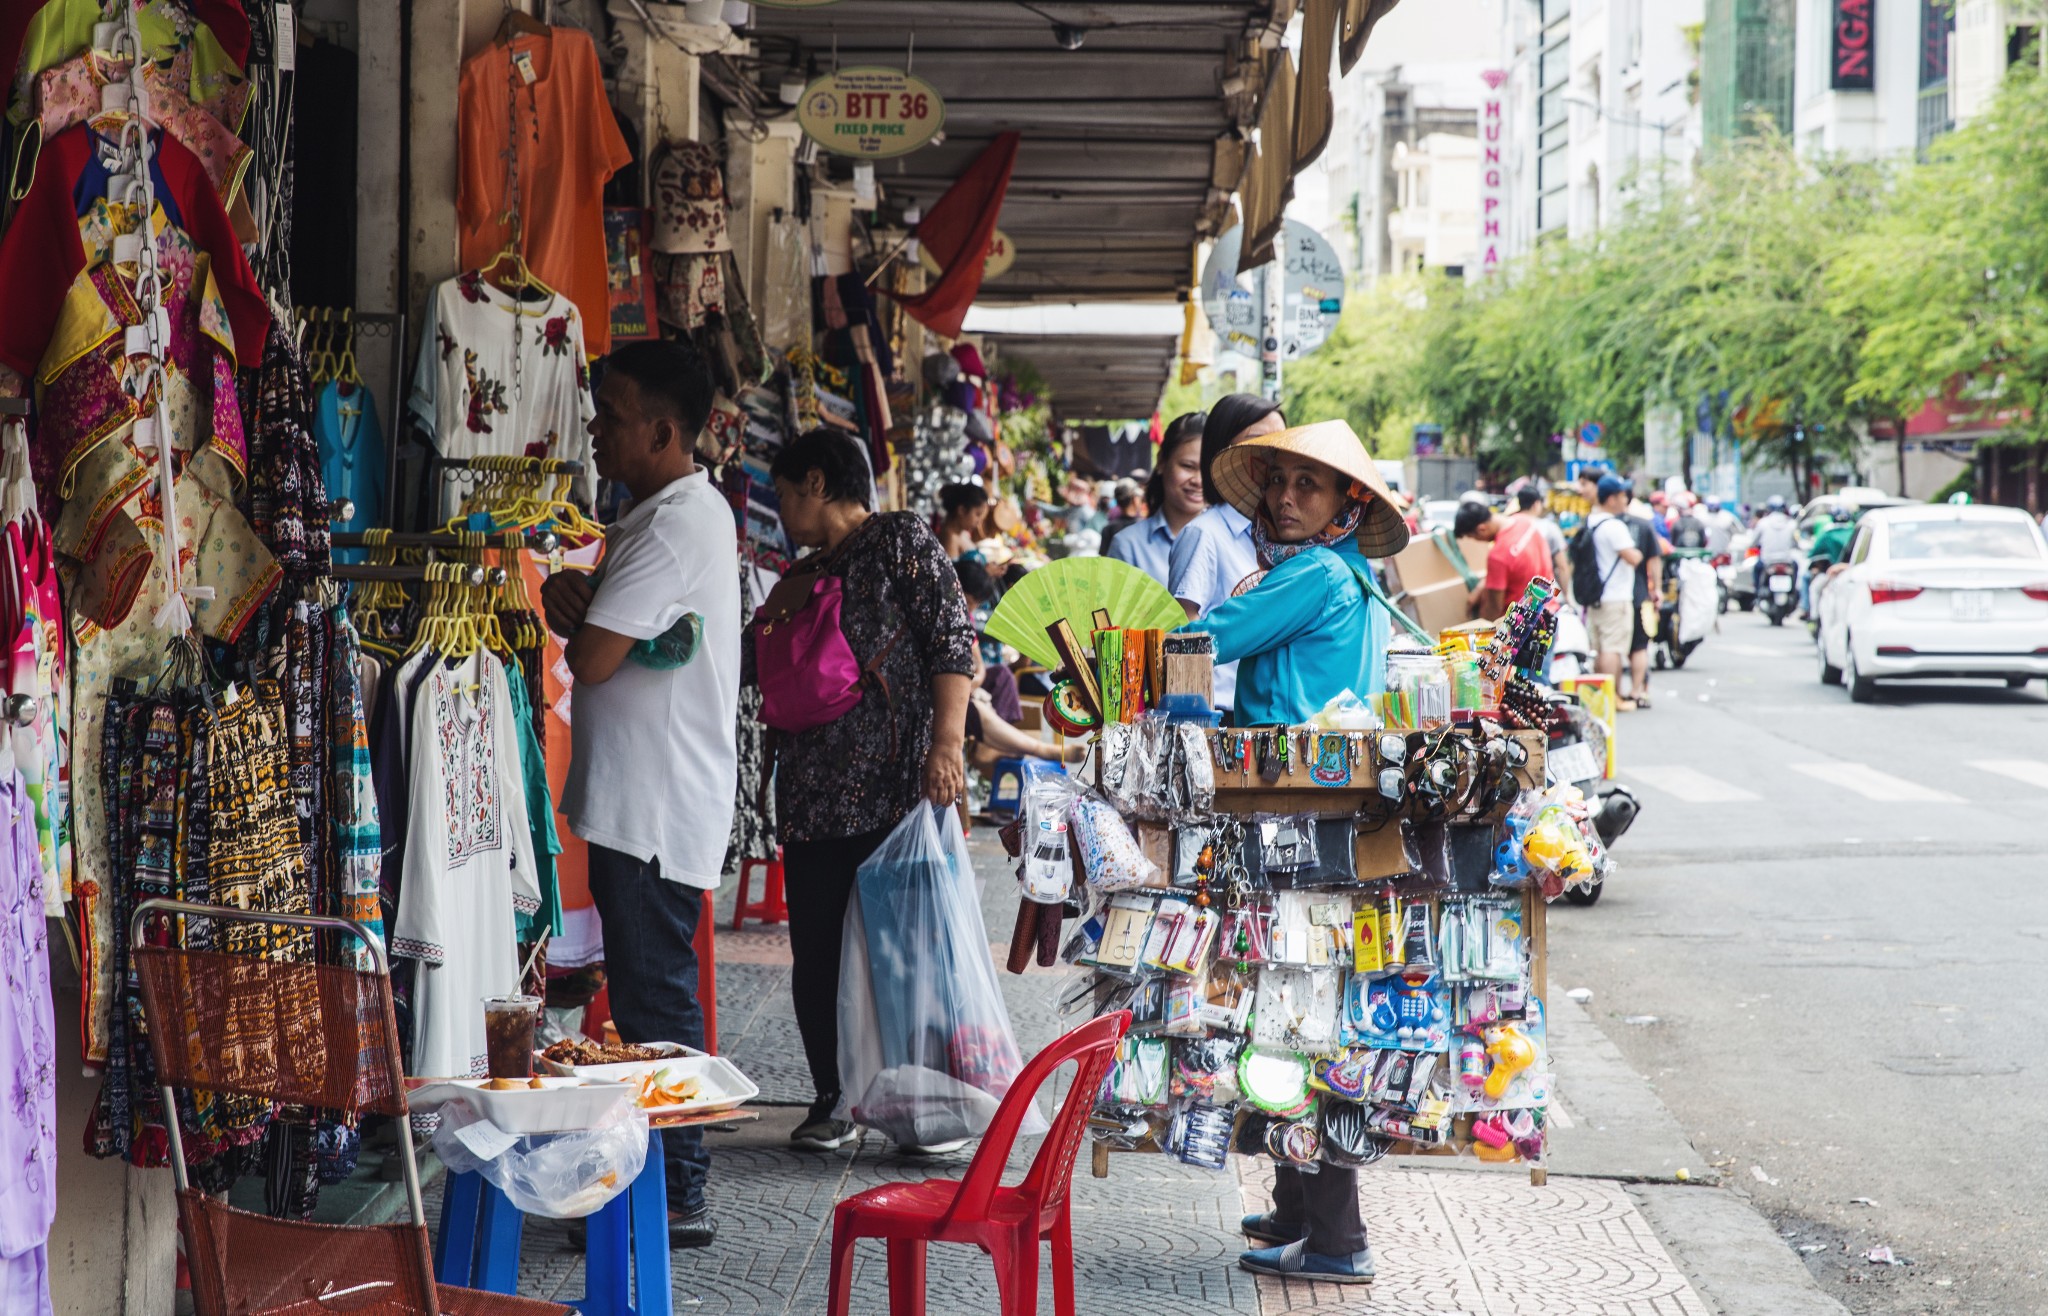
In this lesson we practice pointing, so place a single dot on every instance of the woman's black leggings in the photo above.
(817, 880)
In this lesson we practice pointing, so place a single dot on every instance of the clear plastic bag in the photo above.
(562, 1175)
(926, 1050)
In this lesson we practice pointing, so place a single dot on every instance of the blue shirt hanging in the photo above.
(351, 457)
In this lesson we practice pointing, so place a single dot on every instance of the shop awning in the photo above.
(1134, 144)
(1120, 169)
(1096, 376)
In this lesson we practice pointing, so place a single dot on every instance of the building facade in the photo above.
(1990, 37)
(1600, 103)
(1435, 222)
(1871, 77)
(1383, 117)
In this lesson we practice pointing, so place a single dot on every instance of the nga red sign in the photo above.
(1853, 67)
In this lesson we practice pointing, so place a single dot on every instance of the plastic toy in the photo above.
(1555, 845)
(1471, 1063)
(1406, 1010)
(1511, 1052)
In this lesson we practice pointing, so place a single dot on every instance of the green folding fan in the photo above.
(1073, 589)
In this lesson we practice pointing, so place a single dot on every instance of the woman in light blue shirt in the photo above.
(1215, 552)
(1307, 631)
(1175, 496)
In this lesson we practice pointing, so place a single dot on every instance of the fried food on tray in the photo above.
(578, 1051)
(653, 1093)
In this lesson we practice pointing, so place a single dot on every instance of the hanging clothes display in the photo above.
(44, 250)
(38, 666)
(468, 861)
(499, 377)
(28, 1118)
(537, 142)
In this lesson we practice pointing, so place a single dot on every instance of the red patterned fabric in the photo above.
(42, 251)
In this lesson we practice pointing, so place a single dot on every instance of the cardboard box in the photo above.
(1429, 587)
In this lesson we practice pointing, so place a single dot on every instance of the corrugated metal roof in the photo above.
(1096, 376)
(1132, 144)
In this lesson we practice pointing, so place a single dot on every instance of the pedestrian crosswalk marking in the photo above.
(1690, 785)
(2031, 771)
(1874, 785)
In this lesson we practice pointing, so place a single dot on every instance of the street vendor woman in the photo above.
(1303, 632)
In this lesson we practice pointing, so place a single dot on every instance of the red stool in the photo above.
(770, 908)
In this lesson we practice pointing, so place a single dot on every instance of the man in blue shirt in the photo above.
(1175, 497)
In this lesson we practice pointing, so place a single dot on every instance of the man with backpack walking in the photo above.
(1604, 557)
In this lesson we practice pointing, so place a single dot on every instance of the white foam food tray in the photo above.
(720, 1084)
(560, 1105)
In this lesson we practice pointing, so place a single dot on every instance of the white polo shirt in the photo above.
(653, 768)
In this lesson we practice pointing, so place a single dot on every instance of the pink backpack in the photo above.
(807, 671)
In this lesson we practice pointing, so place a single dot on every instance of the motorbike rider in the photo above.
(1721, 525)
(1830, 545)
(1688, 531)
(1777, 538)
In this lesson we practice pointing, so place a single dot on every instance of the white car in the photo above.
(1932, 590)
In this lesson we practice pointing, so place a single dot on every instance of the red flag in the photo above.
(957, 230)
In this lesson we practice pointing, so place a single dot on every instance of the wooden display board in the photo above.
(1317, 783)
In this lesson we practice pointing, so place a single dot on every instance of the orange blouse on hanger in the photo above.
(551, 88)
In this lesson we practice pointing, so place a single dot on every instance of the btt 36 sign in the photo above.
(871, 112)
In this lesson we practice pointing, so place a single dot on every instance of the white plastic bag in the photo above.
(1698, 600)
(926, 1050)
(562, 1175)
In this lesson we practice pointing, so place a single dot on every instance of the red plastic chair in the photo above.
(1006, 1223)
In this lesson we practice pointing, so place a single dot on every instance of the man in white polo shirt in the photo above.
(654, 646)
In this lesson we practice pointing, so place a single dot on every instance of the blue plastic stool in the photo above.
(1006, 787)
(478, 1243)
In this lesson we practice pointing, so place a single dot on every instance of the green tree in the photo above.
(1365, 372)
(1716, 288)
(1953, 278)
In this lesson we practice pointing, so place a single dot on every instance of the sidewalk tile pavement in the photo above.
(1155, 1236)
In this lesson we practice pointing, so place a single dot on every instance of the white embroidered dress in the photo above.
(468, 862)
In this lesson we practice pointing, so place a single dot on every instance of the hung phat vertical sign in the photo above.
(1852, 66)
(1493, 191)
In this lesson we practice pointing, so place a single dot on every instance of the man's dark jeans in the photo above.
(650, 964)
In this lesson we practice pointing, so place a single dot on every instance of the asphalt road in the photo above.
(1825, 947)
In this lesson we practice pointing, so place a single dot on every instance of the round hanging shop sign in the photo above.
(871, 112)
(1311, 297)
(1002, 254)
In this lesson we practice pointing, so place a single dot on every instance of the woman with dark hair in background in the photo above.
(963, 510)
(1215, 551)
(842, 787)
(1175, 497)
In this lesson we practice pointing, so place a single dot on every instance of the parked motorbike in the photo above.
(1578, 751)
(1779, 596)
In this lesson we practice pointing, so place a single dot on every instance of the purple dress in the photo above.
(28, 1075)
